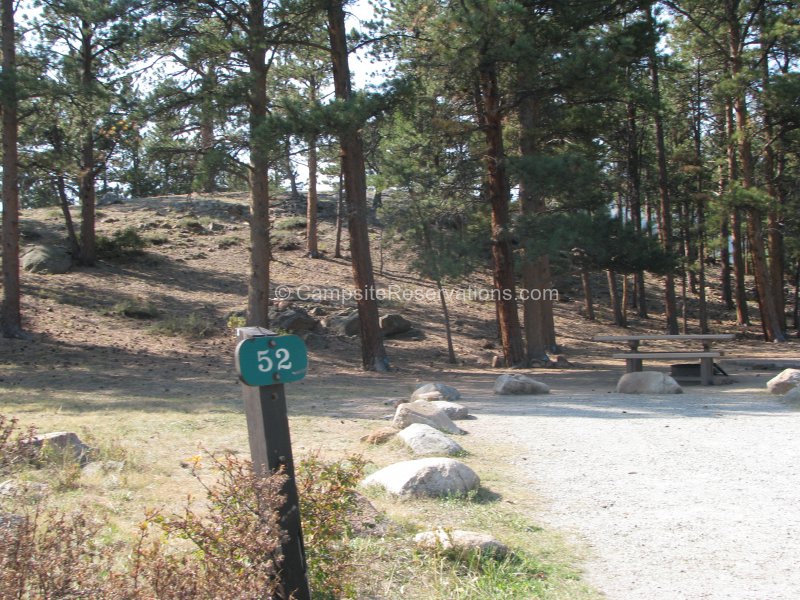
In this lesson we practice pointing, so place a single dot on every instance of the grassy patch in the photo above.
(134, 308)
(190, 326)
(290, 223)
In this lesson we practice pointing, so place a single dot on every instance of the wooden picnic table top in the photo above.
(681, 336)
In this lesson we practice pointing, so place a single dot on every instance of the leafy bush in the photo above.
(289, 223)
(16, 449)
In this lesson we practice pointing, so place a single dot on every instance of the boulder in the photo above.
(425, 440)
(394, 324)
(648, 382)
(793, 396)
(63, 441)
(380, 435)
(426, 413)
(456, 412)
(784, 381)
(460, 542)
(344, 325)
(293, 320)
(436, 391)
(47, 259)
(519, 385)
(425, 477)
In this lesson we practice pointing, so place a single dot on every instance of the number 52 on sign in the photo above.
(270, 360)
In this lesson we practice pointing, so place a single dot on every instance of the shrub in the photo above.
(124, 243)
(135, 308)
(16, 449)
(289, 223)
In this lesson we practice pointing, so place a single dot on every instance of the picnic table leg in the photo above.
(707, 371)
(633, 365)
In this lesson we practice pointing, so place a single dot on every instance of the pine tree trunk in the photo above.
(665, 224)
(588, 302)
(499, 199)
(260, 251)
(373, 354)
(86, 177)
(635, 199)
(72, 237)
(538, 320)
(739, 266)
(797, 298)
(451, 353)
(616, 305)
(337, 251)
(312, 202)
(773, 330)
(296, 199)
(10, 313)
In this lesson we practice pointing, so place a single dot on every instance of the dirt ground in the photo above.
(692, 496)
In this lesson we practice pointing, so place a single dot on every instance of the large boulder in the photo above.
(344, 324)
(426, 477)
(784, 381)
(519, 385)
(426, 413)
(293, 320)
(460, 542)
(648, 382)
(47, 259)
(456, 412)
(394, 324)
(793, 396)
(436, 391)
(425, 440)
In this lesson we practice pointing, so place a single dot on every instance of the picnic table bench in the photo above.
(635, 358)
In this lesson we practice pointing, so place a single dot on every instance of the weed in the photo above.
(236, 321)
(192, 326)
(16, 449)
(289, 223)
(134, 308)
(284, 240)
(157, 239)
(228, 242)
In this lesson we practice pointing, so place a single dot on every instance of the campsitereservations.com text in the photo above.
(311, 293)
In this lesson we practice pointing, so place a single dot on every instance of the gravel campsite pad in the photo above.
(683, 496)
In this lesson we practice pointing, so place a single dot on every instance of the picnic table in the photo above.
(635, 358)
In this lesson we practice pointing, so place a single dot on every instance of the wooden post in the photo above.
(271, 452)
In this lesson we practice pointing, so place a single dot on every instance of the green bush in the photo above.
(124, 243)
(289, 223)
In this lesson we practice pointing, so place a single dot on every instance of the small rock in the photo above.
(460, 542)
(394, 324)
(456, 412)
(47, 259)
(793, 396)
(64, 441)
(436, 391)
(344, 325)
(648, 382)
(519, 385)
(561, 362)
(380, 435)
(293, 321)
(784, 381)
(422, 411)
(425, 440)
(426, 477)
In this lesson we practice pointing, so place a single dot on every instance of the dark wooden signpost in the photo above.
(265, 361)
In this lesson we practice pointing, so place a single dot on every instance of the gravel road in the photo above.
(689, 496)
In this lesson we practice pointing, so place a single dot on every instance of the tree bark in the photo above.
(260, 252)
(616, 304)
(11, 313)
(538, 320)
(337, 251)
(665, 224)
(588, 302)
(451, 353)
(312, 247)
(499, 199)
(373, 354)
(86, 177)
(773, 330)
(635, 201)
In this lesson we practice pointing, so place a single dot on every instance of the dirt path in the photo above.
(687, 496)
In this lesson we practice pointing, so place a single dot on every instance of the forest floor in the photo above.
(686, 497)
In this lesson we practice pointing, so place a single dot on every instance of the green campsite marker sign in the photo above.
(271, 359)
